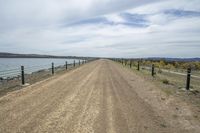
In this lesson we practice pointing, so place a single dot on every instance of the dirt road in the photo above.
(100, 97)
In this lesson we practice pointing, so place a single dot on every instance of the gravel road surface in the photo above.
(101, 97)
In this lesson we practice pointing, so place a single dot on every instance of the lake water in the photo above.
(11, 66)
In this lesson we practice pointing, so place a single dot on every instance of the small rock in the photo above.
(163, 125)
(162, 98)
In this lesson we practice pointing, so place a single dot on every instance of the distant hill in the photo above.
(13, 55)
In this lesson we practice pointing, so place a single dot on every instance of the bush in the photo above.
(165, 81)
(159, 71)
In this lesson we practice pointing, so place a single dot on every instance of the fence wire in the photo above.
(176, 77)
(11, 79)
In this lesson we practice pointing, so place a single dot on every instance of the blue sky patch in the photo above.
(97, 20)
(182, 13)
(132, 20)
(135, 20)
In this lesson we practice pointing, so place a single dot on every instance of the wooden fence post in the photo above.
(138, 66)
(66, 65)
(74, 63)
(22, 74)
(152, 71)
(188, 78)
(52, 68)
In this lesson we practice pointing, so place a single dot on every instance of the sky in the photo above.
(101, 28)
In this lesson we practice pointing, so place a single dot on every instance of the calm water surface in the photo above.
(11, 66)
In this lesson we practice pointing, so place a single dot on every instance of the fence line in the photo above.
(173, 72)
(188, 74)
(21, 72)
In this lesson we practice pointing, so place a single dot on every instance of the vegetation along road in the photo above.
(102, 97)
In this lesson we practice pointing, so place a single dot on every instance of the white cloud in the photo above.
(115, 18)
(44, 27)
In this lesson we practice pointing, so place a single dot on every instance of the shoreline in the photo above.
(14, 83)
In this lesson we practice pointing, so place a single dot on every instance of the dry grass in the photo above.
(174, 85)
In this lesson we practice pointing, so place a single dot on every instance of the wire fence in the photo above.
(12, 79)
(182, 79)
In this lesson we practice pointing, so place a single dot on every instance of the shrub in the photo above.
(159, 71)
(165, 81)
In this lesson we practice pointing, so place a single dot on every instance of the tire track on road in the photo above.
(31, 111)
(143, 118)
(84, 118)
(58, 119)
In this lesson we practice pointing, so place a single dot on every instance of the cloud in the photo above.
(51, 12)
(101, 28)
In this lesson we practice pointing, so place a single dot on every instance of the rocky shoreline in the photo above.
(14, 83)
